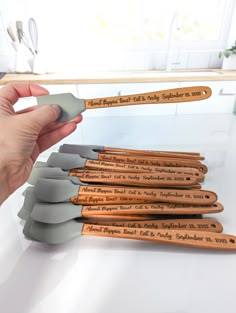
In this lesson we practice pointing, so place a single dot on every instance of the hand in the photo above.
(25, 134)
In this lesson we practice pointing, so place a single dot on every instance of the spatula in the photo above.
(57, 213)
(116, 178)
(70, 210)
(60, 233)
(62, 212)
(89, 149)
(72, 106)
(30, 201)
(52, 190)
(67, 161)
(141, 160)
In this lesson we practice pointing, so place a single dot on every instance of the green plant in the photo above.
(228, 52)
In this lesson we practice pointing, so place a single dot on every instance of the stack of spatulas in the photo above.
(125, 193)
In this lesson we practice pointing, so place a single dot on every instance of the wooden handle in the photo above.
(105, 218)
(101, 199)
(150, 208)
(153, 194)
(185, 94)
(136, 179)
(155, 153)
(137, 168)
(139, 160)
(182, 224)
(195, 239)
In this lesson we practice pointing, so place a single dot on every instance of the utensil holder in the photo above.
(23, 59)
(39, 65)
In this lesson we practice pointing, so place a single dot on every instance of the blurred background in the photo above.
(75, 35)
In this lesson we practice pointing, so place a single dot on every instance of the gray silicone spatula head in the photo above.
(40, 164)
(85, 151)
(66, 161)
(26, 229)
(54, 213)
(55, 233)
(53, 190)
(53, 173)
(25, 191)
(69, 104)
(45, 172)
(28, 204)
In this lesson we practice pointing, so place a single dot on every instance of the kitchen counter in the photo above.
(121, 77)
(92, 274)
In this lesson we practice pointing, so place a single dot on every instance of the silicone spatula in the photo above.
(72, 148)
(67, 161)
(60, 233)
(72, 106)
(62, 212)
(141, 159)
(114, 178)
(69, 209)
(53, 190)
(106, 210)
(56, 214)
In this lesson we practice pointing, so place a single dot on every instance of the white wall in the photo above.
(64, 46)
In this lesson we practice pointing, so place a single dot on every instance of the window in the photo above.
(129, 34)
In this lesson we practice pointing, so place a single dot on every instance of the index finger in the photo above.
(10, 93)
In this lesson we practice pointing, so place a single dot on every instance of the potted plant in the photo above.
(229, 55)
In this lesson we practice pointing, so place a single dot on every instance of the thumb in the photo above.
(43, 116)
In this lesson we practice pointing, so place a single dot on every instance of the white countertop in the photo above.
(122, 77)
(103, 275)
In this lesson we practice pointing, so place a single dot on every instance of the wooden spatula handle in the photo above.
(151, 161)
(104, 200)
(195, 239)
(154, 153)
(150, 208)
(153, 194)
(101, 217)
(137, 168)
(181, 224)
(185, 94)
(137, 179)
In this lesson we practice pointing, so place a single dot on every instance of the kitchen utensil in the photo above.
(90, 149)
(60, 233)
(113, 178)
(106, 210)
(86, 152)
(22, 36)
(67, 161)
(12, 34)
(53, 190)
(62, 212)
(56, 214)
(72, 106)
(33, 32)
(19, 28)
(30, 201)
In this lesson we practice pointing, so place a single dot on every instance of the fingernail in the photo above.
(56, 108)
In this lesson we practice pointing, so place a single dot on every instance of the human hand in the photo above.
(25, 134)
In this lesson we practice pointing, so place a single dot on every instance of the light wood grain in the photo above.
(120, 77)
(188, 238)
